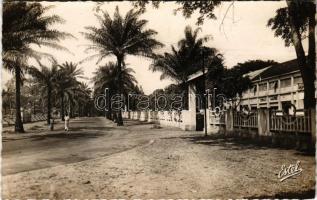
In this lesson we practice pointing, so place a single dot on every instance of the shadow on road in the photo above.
(74, 133)
(66, 136)
(238, 143)
(135, 123)
(93, 128)
(309, 194)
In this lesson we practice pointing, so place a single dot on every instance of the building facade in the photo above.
(275, 87)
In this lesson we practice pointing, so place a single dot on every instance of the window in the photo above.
(286, 83)
(298, 80)
(263, 87)
(254, 107)
(273, 107)
(273, 85)
(262, 99)
(253, 89)
(273, 98)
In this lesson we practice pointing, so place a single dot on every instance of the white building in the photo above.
(275, 86)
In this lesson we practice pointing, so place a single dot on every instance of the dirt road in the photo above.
(88, 138)
(137, 161)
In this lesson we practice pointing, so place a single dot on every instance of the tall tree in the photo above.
(190, 57)
(107, 76)
(174, 65)
(67, 83)
(24, 24)
(293, 23)
(121, 36)
(46, 78)
(230, 82)
(83, 99)
(187, 59)
(187, 8)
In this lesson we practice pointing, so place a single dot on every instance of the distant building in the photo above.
(275, 86)
(272, 87)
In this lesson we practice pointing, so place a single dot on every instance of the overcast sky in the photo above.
(243, 36)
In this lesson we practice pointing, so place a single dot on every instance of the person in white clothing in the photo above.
(66, 122)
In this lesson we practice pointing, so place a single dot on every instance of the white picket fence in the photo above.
(297, 122)
(164, 118)
(301, 122)
(249, 120)
(26, 118)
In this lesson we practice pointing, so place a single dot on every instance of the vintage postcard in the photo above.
(158, 99)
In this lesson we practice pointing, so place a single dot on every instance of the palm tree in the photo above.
(107, 76)
(185, 60)
(67, 83)
(78, 98)
(46, 78)
(82, 98)
(24, 25)
(174, 65)
(120, 36)
(190, 56)
(192, 43)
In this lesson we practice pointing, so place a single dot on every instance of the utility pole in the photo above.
(205, 96)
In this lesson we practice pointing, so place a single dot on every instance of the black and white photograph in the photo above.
(158, 99)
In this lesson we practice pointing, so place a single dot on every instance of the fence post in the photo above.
(207, 121)
(229, 120)
(263, 116)
(263, 122)
(191, 107)
(142, 116)
(149, 119)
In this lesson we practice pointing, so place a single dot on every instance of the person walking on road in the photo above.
(66, 123)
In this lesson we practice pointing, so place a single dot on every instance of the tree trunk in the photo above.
(120, 84)
(71, 114)
(49, 105)
(68, 109)
(312, 47)
(34, 112)
(311, 36)
(62, 107)
(307, 71)
(108, 114)
(18, 119)
(79, 109)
